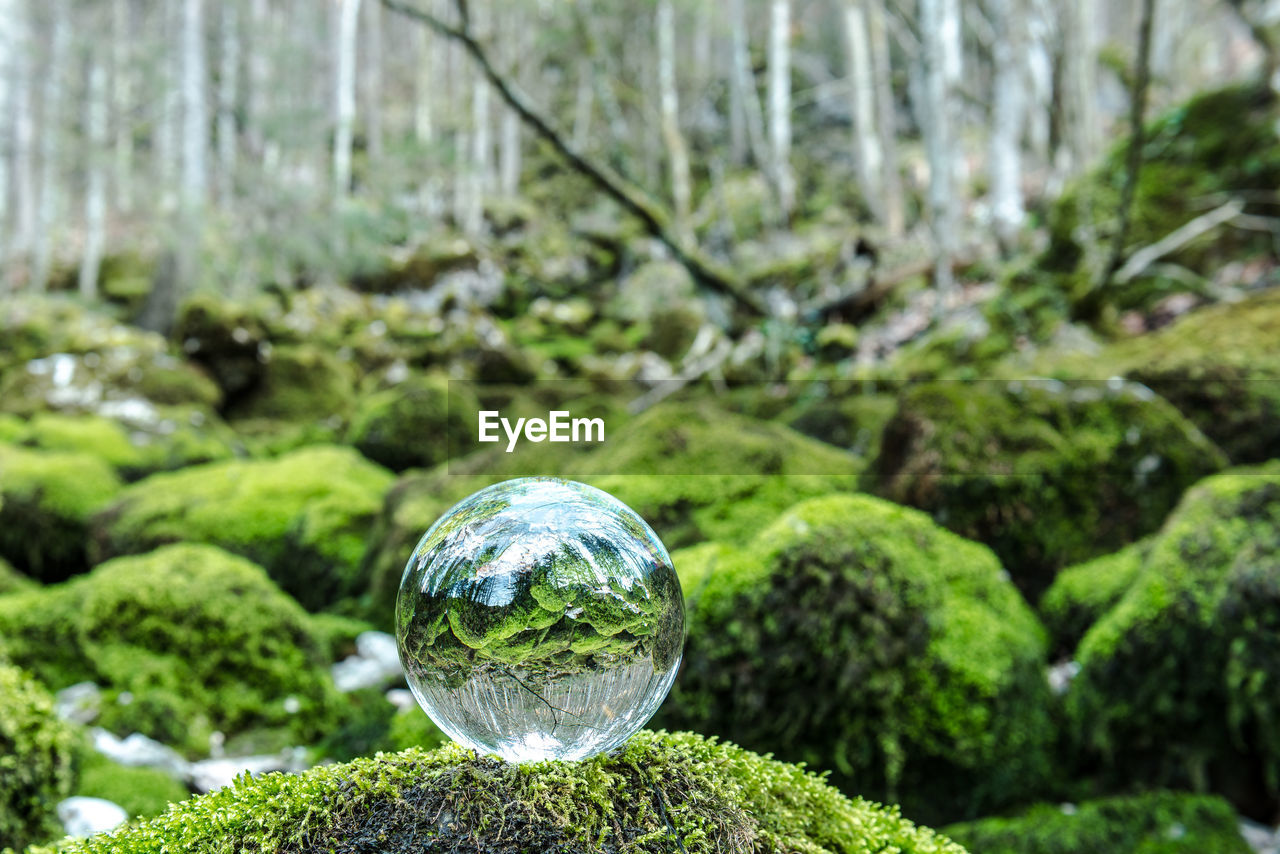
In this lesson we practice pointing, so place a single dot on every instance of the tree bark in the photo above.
(938, 132)
(259, 72)
(23, 135)
(745, 116)
(122, 104)
(1008, 109)
(425, 82)
(371, 65)
(228, 84)
(95, 201)
(677, 153)
(633, 200)
(195, 120)
(891, 179)
(862, 88)
(168, 125)
(344, 97)
(1079, 86)
(9, 48)
(780, 106)
(51, 145)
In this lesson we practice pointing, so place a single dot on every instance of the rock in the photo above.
(210, 774)
(376, 663)
(86, 816)
(79, 703)
(139, 751)
(1262, 839)
(1060, 676)
(402, 699)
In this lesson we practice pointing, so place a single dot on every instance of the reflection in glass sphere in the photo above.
(540, 619)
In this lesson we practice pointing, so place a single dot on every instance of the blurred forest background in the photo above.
(937, 339)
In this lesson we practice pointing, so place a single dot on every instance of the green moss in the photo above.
(1179, 682)
(298, 383)
(46, 500)
(35, 760)
(412, 728)
(199, 639)
(12, 581)
(1047, 474)
(415, 423)
(140, 792)
(845, 416)
(857, 636)
(662, 793)
(304, 516)
(225, 338)
(1155, 823)
(1081, 594)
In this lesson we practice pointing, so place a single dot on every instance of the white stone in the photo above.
(210, 774)
(375, 664)
(79, 703)
(87, 816)
(141, 751)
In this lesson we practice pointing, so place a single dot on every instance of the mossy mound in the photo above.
(1081, 594)
(226, 339)
(303, 516)
(1179, 683)
(12, 581)
(35, 760)
(1232, 392)
(1196, 156)
(414, 423)
(140, 792)
(185, 640)
(46, 501)
(1045, 473)
(662, 793)
(860, 637)
(298, 383)
(1154, 823)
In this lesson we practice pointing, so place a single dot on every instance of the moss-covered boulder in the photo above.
(46, 501)
(861, 638)
(228, 339)
(414, 423)
(1081, 594)
(1154, 823)
(1231, 392)
(184, 640)
(298, 383)
(12, 581)
(304, 516)
(36, 751)
(662, 793)
(1046, 473)
(1179, 682)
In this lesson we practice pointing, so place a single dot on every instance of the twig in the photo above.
(632, 199)
(1173, 241)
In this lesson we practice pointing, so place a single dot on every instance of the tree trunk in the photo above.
(866, 137)
(195, 119)
(677, 154)
(372, 80)
(228, 83)
(122, 104)
(51, 145)
(891, 180)
(1007, 119)
(9, 63)
(168, 125)
(425, 82)
(23, 135)
(780, 106)
(746, 122)
(95, 201)
(1079, 87)
(935, 117)
(344, 97)
(584, 105)
(509, 139)
(259, 71)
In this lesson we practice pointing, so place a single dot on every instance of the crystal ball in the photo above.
(540, 618)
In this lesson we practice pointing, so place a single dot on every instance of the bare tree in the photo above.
(95, 200)
(344, 97)
(862, 92)
(891, 180)
(195, 118)
(123, 76)
(936, 29)
(780, 105)
(9, 48)
(228, 85)
(745, 118)
(22, 81)
(1008, 109)
(1079, 86)
(677, 153)
(371, 79)
(51, 131)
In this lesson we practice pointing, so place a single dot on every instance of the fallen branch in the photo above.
(707, 271)
(1173, 241)
(862, 301)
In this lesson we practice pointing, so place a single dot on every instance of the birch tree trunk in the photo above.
(481, 149)
(745, 118)
(168, 130)
(939, 144)
(9, 48)
(677, 154)
(509, 152)
(51, 145)
(866, 137)
(95, 201)
(1007, 120)
(344, 97)
(372, 79)
(23, 136)
(425, 82)
(228, 84)
(891, 179)
(259, 72)
(195, 119)
(1079, 87)
(584, 105)
(780, 105)
(122, 103)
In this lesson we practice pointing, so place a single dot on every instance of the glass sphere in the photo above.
(540, 619)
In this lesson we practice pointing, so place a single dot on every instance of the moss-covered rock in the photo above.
(184, 640)
(298, 383)
(46, 501)
(1232, 392)
(859, 637)
(1179, 682)
(36, 752)
(1154, 823)
(414, 423)
(304, 516)
(226, 338)
(12, 581)
(1046, 473)
(1081, 594)
(662, 793)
